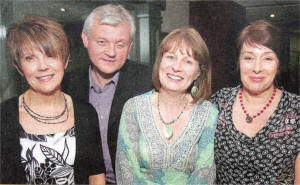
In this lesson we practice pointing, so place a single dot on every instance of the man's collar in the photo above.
(94, 85)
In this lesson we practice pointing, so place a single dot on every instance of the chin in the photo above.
(48, 91)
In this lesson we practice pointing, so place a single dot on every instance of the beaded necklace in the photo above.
(46, 119)
(249, 118)
(167, 130)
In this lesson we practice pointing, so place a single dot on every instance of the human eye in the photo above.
(120, 45)
(189, 61)
(29, 58)
(247, 57)
(101, 42)
(268, 58)
(169, 56)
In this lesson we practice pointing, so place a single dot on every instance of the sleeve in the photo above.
(298, 125)
(95, 151)
(215, 97)
(205, 171)
(89, 158)
(127, 165)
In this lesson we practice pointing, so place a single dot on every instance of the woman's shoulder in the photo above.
(139, 98)
(81, 108)
(226, 91)
(9, 105)
(10, 101)
(291, 99)
(291, 96)
(209, 105)
(224, 94)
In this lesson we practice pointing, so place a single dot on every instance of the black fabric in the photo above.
(88, 159)
(266, 158)
(134, 79)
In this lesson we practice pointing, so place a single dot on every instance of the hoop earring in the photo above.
(195, 89)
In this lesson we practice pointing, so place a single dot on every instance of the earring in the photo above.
(195, 89)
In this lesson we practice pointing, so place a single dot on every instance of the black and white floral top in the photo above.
(269, 156)
(48, 159)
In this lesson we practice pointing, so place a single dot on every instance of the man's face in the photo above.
(108, 46)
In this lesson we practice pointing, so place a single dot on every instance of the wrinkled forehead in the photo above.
(179, 46)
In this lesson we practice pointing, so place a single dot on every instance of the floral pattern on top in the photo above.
(269, 156)
(49, 159)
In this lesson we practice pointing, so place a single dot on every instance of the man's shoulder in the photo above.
(136, 71)
(76, 82)
(78, 72)
(135, 66)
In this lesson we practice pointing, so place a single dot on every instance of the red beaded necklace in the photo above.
(249, 118)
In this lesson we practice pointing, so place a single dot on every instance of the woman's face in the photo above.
(177, 70)
(258, 67)
(43, 74)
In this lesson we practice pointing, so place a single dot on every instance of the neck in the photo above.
(38, 99)
(172, 98)
(258, 98)
(101, 78)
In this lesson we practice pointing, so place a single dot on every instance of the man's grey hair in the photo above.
(109, 14)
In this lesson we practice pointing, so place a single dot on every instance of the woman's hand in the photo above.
(97, 179)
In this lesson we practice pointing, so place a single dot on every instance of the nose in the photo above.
(42, 64)
(257, 66)
(176, 66)
(111, 50)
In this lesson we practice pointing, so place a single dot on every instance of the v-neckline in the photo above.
(262, 130)
(162, 138)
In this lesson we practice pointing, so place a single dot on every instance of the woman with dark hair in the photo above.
(46, 136)
(257, 139)
(166, 135)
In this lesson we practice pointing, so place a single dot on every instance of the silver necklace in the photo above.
(46, 119)
(167, 130)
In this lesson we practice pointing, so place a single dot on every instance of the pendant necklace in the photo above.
(167, 130)
(249, 118)
(46, 119)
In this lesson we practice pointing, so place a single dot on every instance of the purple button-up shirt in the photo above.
(102, 99)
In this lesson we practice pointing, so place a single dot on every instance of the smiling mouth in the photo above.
(174, 77)
(107, 60)
(45, 78)
(257, 79)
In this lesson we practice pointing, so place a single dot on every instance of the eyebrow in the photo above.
(267, 52)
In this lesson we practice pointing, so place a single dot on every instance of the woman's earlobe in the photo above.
(67, 62)
(20, 71)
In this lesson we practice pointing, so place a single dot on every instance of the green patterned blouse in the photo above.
(144, 157)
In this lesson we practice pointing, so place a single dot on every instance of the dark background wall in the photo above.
(219, 22)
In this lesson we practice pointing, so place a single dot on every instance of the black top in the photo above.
(269, 156)
(88, 159)
(134, 79)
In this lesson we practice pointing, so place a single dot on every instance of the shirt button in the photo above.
(101, 117)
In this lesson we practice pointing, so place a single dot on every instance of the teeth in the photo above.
(174, 77)
(44, 77)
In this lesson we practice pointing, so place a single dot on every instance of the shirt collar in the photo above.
(96, 87)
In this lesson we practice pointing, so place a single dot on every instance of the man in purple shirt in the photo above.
(110, 79)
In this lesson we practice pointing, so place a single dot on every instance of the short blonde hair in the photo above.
(190, 39)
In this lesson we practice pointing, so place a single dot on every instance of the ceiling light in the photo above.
(272, 15)
(62, 9)
(2, 31)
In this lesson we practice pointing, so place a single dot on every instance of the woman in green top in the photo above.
(166, 136)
